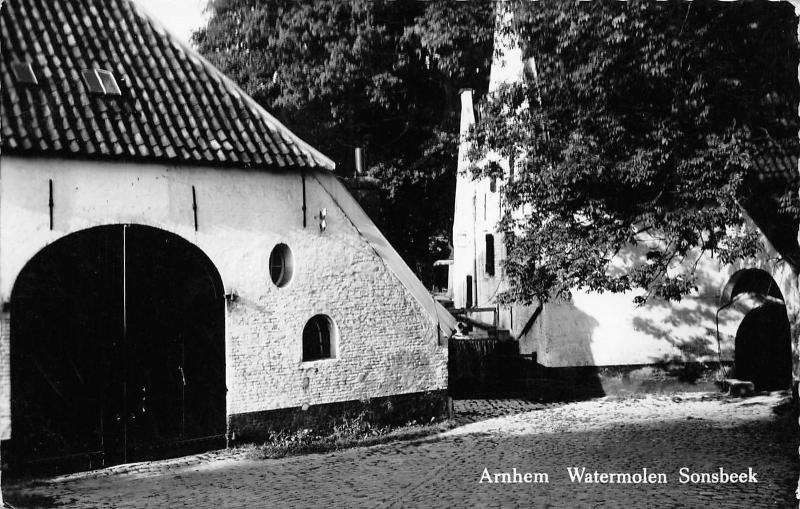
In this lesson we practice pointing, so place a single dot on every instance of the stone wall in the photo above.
(385, 345)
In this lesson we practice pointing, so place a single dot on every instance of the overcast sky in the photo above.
(181, 17)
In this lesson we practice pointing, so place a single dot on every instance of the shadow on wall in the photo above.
(581, 380)
(628, 334)
(751, 305)
(493, 368)
(684, 330)
(565, 334)
(699, 328)
(691, 331)
(681, 371)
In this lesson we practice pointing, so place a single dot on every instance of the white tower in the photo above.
(478, 248)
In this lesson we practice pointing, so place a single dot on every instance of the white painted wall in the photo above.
(608, 329)
(388, 344)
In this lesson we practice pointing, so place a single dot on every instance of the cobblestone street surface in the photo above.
(702, 432)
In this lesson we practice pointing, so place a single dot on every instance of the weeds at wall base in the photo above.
(345, 433)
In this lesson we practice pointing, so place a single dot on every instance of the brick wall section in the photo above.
(386, 342)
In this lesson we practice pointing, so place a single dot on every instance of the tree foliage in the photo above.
(382, 75)
(637, 134)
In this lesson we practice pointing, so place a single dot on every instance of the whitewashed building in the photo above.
(178, 270)
(724, 319)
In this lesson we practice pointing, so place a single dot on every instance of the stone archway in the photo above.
(117, 351)
(763, 346)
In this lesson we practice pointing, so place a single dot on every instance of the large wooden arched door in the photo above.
(117, 350)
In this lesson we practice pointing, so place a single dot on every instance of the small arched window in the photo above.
(319, 338)
(281, 265)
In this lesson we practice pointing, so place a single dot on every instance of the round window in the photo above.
(281, 265)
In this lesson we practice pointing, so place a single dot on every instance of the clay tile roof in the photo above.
(175, 107)
(776, 161)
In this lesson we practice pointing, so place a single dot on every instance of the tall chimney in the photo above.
(467, 111)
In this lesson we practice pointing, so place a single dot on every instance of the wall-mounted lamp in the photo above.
(323, 223)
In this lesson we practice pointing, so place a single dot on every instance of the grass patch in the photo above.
(344, 434)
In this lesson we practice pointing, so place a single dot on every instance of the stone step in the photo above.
(740, 388)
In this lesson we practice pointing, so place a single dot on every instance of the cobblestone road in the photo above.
(661, 433)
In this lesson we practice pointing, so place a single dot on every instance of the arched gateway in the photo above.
(117, 350)
(763, 348)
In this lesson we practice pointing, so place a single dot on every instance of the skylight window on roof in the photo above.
(99, 81)
(92, 81)
(109, 82)
(23, 73)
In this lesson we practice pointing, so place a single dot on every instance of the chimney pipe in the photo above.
(359, 162)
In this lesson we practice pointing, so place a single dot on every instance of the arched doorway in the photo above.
(763, 351)
(117, 351)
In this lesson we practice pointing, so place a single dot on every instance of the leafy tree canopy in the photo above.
(382, 75)
(640, 124)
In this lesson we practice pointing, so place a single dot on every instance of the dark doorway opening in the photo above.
(763, 345)
(117, 351)
(763, 352)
